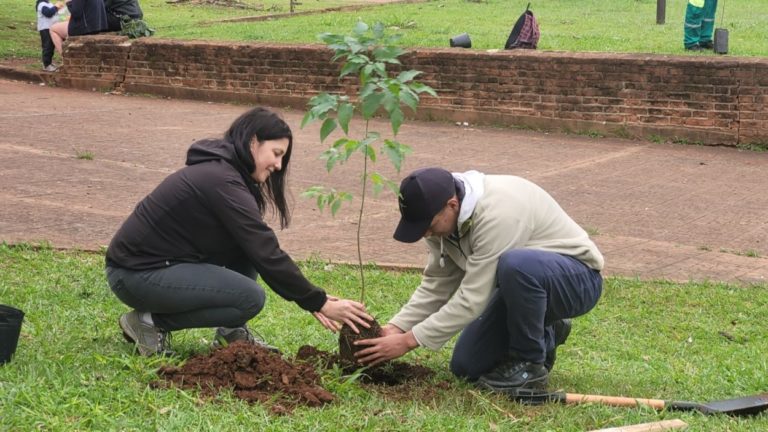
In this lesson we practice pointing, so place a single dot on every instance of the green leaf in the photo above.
(370, 152)
(380, 69)
(360, 28)
(320, 202)
(388, 54)
(394, 187)
(378, 30)
(349, 68)
(371, 104)
(308, 118)
(335, 206)
(377, 180)
(337, 199)
(408, 75)
(396, 119)
(345, 115)
(423, 88)
(331, 156)
(367, 90)
(354, 45)
(329, 125)
(408, 97)
(350, 147)
(322, 104)
(391, 101)
(396, 152)
(365, 74)
(312, 191)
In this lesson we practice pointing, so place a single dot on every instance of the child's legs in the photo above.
(59, 33)
(47, 45)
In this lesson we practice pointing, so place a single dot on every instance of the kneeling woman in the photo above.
(189, 254)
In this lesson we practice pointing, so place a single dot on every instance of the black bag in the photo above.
(525, 33)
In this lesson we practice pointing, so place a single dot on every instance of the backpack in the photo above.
(525, 33)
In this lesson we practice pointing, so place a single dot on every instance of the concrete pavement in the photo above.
(657, 211)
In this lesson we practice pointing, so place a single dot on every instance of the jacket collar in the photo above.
(474, 187)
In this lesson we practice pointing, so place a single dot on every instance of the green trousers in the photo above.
(699, 22)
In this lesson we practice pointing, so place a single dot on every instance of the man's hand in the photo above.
(388, 347)
(349, 312)
(390, 329)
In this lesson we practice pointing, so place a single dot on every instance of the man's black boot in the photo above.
(515, 374)
(562, 331)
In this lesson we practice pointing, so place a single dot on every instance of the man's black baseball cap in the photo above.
(423, 194)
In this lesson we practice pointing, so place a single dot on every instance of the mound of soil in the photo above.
(253, 373)
(256, 374)
(391, 373)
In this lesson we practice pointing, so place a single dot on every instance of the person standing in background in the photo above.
(699, 24)
(47, 15)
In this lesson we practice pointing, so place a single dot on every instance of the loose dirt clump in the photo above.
(391, 373)
(252, 373)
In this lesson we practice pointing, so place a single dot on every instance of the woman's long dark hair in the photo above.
(263, 125)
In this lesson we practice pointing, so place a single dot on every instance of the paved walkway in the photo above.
(655, 210)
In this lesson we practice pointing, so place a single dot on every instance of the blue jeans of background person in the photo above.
(534, 289)
(191, 295)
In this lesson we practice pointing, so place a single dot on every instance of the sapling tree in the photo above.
(365, 53)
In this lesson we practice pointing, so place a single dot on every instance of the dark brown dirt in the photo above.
(347, 337)
(392, 373)
(253, 374)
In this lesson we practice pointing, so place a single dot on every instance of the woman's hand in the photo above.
(326, 322)
(349, 312)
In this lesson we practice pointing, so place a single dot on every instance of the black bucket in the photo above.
(10, 328)
(461, 41)
(721, 41)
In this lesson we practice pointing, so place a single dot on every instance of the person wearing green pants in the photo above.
(699, 24)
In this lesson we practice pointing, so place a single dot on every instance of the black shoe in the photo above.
(707, 45)
(515, 374)
(562, 331)
(696, 47)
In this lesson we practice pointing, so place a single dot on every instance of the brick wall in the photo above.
(708, 99)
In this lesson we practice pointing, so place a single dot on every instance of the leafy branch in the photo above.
(365, 53)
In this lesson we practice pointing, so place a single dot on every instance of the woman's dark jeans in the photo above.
(535, 289)
(190, 295)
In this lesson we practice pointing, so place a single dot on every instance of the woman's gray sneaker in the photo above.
(225, 336)
(149, 339)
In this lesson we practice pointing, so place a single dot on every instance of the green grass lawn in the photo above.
(587, 25)
(73, 371)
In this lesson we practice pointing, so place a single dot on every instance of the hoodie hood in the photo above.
(216, 149)
(210, 150)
